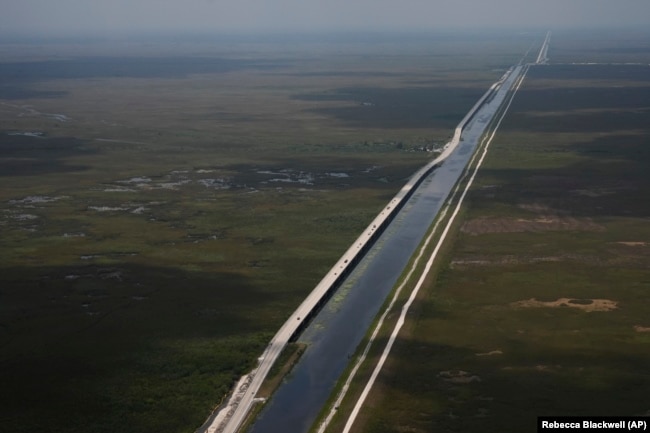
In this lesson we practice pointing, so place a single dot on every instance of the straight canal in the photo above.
(335, 333)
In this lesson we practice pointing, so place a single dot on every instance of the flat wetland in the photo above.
(540, 304)
(165, 206)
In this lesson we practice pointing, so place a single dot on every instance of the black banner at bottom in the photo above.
(549, 424)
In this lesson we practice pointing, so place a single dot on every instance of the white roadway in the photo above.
(542, 57)
(231, 417)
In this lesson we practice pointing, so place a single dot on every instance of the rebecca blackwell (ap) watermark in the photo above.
(593, 423)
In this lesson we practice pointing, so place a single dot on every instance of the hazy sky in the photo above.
(44, 17)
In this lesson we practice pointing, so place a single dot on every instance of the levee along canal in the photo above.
(336, 331)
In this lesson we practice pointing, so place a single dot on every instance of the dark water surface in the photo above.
(337, 330)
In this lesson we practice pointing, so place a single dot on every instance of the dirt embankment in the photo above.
(588, 305)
